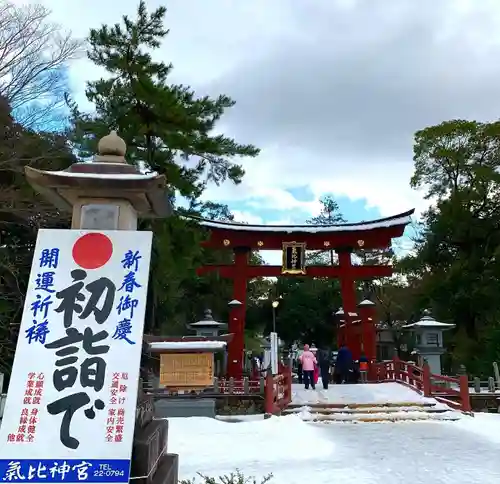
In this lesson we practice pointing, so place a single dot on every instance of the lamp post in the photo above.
(274, 304)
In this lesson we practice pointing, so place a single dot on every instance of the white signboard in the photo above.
(274, 353)
(70, 410)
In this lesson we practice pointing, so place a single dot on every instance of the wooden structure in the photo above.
(293, 241)
(186, 365)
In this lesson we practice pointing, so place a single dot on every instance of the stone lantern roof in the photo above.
(208, 322)
(108, 176)
(428, 322)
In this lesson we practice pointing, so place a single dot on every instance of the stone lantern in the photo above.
(429, 340)
(207, 327)
(106, 194)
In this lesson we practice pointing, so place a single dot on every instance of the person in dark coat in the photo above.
(343, 365)
(324, 366)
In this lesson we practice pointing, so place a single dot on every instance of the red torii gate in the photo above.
(293, 241)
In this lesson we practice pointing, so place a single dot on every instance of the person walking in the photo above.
(363, 368)
(324, 367)
(308, 360)
(344, 364)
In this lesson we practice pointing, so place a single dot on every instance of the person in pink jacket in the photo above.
(308, 361)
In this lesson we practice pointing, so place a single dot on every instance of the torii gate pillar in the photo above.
(236, 347)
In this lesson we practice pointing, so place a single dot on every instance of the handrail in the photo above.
(422, 380)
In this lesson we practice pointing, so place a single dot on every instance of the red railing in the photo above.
(239, 386)
(445, 389)
(278, 391)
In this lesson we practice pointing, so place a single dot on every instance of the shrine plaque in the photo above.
(186, 370)
(294, 258)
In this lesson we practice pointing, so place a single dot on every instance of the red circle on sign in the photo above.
(92, 251)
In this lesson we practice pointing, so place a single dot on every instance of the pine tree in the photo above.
(329, 214)
(167, 128)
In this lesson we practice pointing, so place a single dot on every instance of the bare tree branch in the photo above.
(34, 53)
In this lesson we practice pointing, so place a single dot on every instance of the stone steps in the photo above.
(363, 405)
(372, 412)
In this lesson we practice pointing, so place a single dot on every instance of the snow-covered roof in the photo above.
(106, 176)
(187, 345)
(396, 220)
(429, 322)
(366, 302)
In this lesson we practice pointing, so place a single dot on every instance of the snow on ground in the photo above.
(366, 393)
(241, 418)
(214, 447)
(297, 452)
(484, 424)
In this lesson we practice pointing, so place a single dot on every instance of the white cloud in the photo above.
(331, 90)
(247, 217)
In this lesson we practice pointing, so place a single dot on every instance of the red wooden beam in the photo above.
(374, 239)
(355, 272)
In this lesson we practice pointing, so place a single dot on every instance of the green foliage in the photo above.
(456, 267)
(458, 158)
(305, 309)
(233, 478)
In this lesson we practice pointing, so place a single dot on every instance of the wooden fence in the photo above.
(454, 391)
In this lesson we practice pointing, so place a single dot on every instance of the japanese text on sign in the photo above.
(48, 262)
(128, 302)
(76, 368)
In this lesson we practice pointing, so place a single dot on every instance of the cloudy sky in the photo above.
(332, 91)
